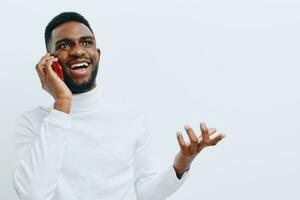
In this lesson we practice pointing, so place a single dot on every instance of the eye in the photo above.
(86, 43)
(63, 46)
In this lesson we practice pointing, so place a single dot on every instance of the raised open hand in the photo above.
(188, 151)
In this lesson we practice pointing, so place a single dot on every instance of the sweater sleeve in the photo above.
(149, 182)
(39, 155)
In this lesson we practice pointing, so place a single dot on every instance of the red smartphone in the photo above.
(58, 70)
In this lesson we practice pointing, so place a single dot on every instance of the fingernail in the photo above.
(186, 127)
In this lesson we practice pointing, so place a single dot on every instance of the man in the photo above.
(83, 148)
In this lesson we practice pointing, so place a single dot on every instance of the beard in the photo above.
(83, 87)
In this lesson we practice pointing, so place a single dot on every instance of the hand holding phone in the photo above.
(58, 70)
(56, 88)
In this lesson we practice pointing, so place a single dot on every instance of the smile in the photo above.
(79, 66)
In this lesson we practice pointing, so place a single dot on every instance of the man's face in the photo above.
(75, 47)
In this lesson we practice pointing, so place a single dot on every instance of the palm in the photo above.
(196, 144)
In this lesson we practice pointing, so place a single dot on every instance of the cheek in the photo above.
(97, 57)
(62, 57)
(94, 55)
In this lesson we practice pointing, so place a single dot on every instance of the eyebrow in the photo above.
(69, 40)
(87, 38)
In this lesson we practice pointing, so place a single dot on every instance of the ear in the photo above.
(99, 53)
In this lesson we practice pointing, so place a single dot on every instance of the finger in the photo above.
(192, 136)
(44, 58)
(41, 64)
(48, 67)
(181, 141)
(42, 79)
(211, 131)
(50, 60)
(41, 73)
(217, 139)
(39, 70)
(204, 132)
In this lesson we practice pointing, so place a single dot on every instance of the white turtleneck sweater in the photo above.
(100, 151)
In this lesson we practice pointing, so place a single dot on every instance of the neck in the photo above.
(86, 100)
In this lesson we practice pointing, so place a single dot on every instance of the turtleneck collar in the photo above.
(85, 101)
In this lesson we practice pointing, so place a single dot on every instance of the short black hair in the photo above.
(63, 18)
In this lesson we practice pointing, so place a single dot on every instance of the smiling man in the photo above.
(79, 63)
(83, 148)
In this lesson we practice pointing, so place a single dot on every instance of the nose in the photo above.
(77, 51)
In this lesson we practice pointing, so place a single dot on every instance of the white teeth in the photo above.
(79, 65)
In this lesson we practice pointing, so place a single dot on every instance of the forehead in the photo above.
(70, 30)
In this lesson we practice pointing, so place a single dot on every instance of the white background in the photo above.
(233, 64)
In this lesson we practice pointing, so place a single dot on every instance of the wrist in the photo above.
(179, 174)
(63, 105)
(64, 96)
(181, 163)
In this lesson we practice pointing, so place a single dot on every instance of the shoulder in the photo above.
(33, 118)
(36, 113)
